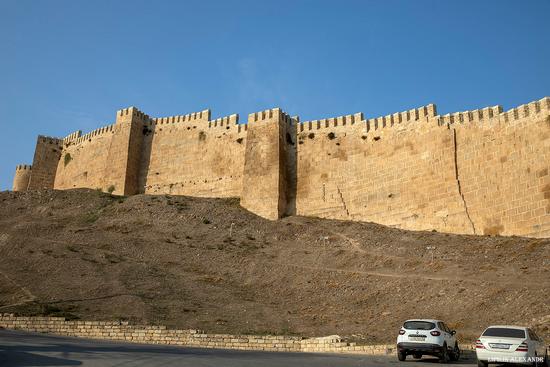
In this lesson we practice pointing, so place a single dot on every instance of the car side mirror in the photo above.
(453, 332)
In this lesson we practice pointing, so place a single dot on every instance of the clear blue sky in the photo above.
(69, 65)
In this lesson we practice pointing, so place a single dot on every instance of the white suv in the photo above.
(510, 344)
(427, 337)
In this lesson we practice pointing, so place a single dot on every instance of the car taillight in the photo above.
(435, 333)
(401, 332)
(479, 344)
(523, 347)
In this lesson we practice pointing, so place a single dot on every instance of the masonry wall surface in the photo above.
(125, 151)
(475, 172)
(503, 163)
(191, 155)
(46, 156)
(288, 172)
(396, 170)
(22, 177)
(265, 181)
(482, 171)
(122, 331)
(84, 160)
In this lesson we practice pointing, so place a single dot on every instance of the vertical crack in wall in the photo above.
(458, 181)
(342, 199)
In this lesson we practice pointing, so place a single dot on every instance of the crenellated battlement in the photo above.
(495, 114)
(483, 115)
(22, 177)
(420, 114)
(228, 123)
(413, 169)
(202, 115)
(331, 122)
(132, 111)
(225, 123)
(50, 139)
(270, 115)
(526, 110)
(95, 133)
(72, 136)
(230, 120)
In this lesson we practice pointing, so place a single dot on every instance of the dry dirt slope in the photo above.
(209, 264)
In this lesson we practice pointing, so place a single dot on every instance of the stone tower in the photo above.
(269, 179)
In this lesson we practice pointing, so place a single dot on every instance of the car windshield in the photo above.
(504, 332)
(419, 325)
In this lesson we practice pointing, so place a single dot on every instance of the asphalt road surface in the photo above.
(18, 349)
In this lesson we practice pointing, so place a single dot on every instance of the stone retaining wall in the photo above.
(120, 330)
(123, 331)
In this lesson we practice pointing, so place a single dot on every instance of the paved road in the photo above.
(18, 349)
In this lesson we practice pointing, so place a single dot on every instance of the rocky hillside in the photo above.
(209, 264)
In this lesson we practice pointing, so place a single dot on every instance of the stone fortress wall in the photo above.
(475, 172)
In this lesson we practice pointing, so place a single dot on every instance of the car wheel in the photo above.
(401, 356)
(444, 356)
(417, 356)
(482, 363)
(455, 356)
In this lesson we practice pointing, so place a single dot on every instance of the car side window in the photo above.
(446, 328)
(532, 335)
(440, 326)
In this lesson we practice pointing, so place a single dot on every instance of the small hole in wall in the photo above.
(300, 142)
(67, 158)
(376, 138)
(364, 137)
(227, 127)
(311, 135)
(331, 135)
(240, 140)
(188, 128)
(337, 143)
(390, 195)
(289, 139)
